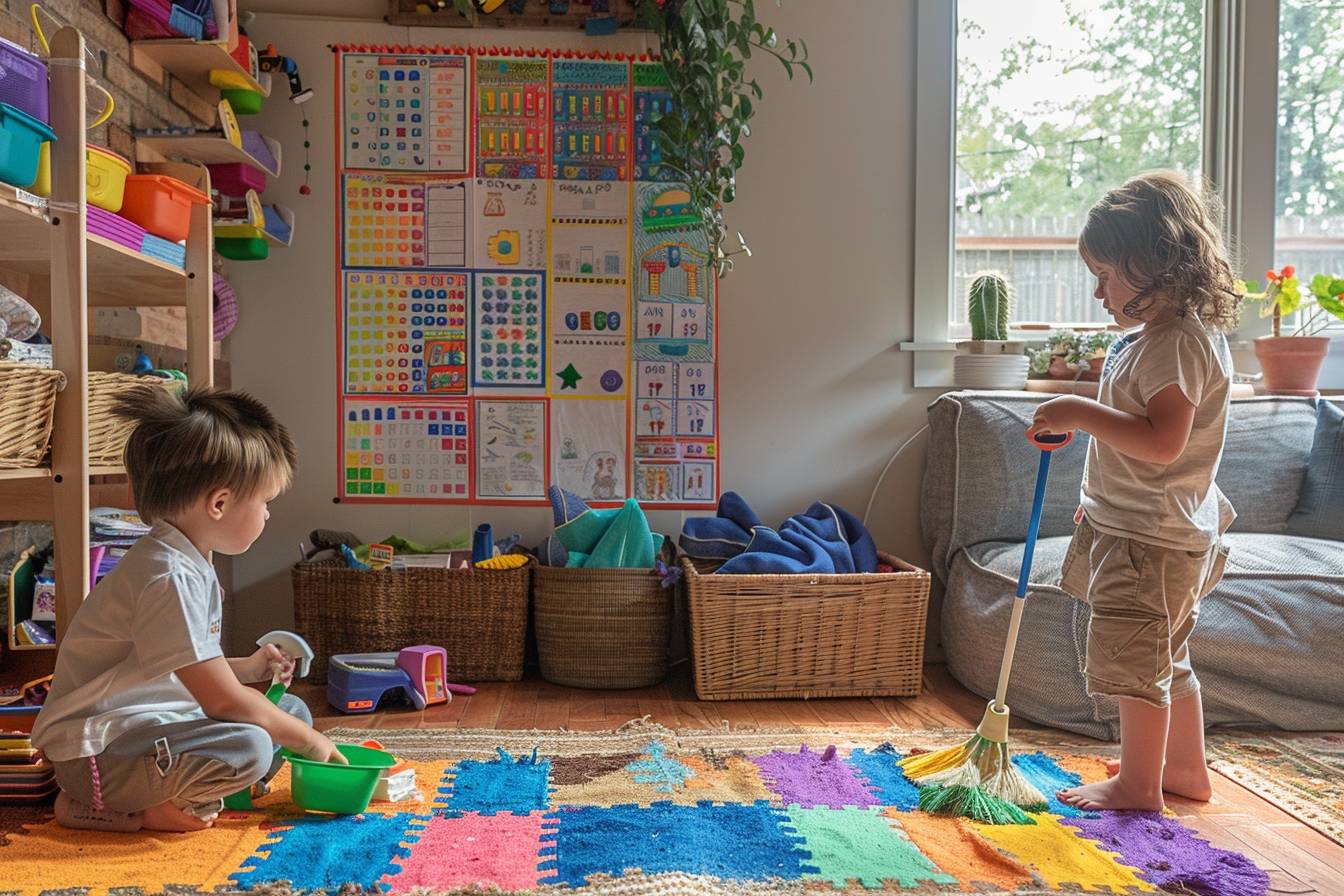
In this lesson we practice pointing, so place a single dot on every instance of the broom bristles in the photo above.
(922, 765)
(972, 802)
(1007, 783)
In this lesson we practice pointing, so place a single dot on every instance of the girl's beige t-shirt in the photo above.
(1176, 505)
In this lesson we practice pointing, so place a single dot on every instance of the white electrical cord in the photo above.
(883, 475)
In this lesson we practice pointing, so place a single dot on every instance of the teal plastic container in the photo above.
(341, 789)
(21, 139)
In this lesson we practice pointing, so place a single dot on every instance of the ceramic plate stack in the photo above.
(115, 228)
(990, 371)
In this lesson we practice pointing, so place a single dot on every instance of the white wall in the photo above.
(815, 397)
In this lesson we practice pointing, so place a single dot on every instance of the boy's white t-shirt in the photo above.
(1176, 505)
(156, 612)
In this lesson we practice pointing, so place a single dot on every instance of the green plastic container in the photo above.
(240, 249)
(243, 101)
(342, 789)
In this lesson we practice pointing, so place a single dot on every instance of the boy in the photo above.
(148, 725)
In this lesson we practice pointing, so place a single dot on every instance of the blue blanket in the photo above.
(825, 539)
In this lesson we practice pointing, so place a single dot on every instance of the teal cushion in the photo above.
(1320, 506)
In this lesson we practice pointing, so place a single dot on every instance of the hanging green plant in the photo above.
(704, 46)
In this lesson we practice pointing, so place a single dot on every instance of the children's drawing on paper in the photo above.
(510, 314)
(445, 362)
(509, 223)
(590, 254)
(403, 222)
(590, 203)
(590, 101)
(512, 117)
(589, 327)
(406, 112)
(393, 449)
(511, 449)
(588, 440)
(388, 319)
(657, 482)
(652, 97)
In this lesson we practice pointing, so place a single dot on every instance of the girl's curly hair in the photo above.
(1162, 235)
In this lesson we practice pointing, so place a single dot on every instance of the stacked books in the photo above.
(25, 776)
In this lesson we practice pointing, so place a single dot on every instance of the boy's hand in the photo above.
(322, 749)
(1057, 417)
(258, 665)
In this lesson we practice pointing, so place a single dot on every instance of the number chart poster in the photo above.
(525, 296)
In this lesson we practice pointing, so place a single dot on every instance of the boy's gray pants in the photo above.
(192, 764)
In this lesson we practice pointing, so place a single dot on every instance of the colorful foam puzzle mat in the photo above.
(644, 810)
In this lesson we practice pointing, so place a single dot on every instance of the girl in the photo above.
(1147, 544)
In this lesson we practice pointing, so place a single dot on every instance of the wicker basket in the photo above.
(768, 636)
(478, 615)
(27, 409)
(602, 628)
(108, 432)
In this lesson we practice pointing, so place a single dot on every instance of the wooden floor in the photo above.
(1298, 859)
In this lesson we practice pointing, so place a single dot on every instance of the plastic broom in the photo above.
(978, 779)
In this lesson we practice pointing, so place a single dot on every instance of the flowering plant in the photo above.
(1282, 296)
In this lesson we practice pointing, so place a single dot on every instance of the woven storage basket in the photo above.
(768, 636)
(601, 628)
(478, 615)
(27, 406)
(108, 432)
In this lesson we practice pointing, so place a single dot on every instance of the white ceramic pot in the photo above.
(990, 371)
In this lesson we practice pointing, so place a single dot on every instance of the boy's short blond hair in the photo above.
(189, 443)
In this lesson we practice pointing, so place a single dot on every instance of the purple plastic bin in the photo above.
(23, 81)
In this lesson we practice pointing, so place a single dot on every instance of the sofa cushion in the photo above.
(1320, 507)
(980, 471)
(1258, 648)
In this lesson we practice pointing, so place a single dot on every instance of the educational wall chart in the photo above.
(526, 297)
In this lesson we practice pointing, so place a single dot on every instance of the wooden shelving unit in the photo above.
(192, 61)
(70, 272)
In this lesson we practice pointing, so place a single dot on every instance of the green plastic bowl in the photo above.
(242, 100)
(243, 248)
(341, 789)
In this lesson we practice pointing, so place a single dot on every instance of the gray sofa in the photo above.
(1269, 638)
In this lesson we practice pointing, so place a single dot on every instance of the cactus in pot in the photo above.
(988, 303)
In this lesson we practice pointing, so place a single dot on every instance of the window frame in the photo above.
(1239, 88)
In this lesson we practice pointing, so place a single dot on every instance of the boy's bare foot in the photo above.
(72, 814)
(1192, 783)
(1113, 793)
(167, 817)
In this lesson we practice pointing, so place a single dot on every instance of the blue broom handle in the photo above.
(1047, 444)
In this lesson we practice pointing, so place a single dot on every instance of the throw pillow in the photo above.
(1320, 507)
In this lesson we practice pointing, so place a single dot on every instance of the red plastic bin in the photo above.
(161, 204)
(236, 178)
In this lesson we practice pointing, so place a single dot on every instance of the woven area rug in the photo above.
(1302, 774)
(645, 811)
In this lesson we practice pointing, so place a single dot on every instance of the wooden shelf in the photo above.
(25, 474)
(209, 149)
(114, 470)
(193, 60)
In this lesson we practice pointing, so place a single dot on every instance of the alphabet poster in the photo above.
(526, 297)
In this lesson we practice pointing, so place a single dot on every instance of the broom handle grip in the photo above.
(1028, 552)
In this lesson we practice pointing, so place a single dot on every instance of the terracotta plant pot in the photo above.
(1291, 364)
(1061, 370)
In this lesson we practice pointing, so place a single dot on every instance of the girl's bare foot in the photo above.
(72, 814)
(1113, 793)
(1191, 783)
(167, 817)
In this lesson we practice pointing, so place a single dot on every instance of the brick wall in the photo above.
(146, 96)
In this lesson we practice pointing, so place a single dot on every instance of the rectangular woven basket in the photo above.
(478, 615)
(108, 432)
(27, 409)
(773, 636)
(601, 628)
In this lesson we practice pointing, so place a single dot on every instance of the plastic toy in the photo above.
(298, 648)
(272, 61)
(381, 556)
(341, 789)
(356, 682)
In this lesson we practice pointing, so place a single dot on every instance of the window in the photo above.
(1309, 200)
(1056, 102)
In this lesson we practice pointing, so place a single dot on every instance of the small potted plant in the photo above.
(1291, 364)
(1073, 356)
(989, 360)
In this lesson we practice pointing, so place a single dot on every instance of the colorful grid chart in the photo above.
(406, 112)
(591, 105)
(512, 117)
(652, 97)
(400, 222)
(508, 327)
(407, 451)
(511, 450)
(390, 318)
